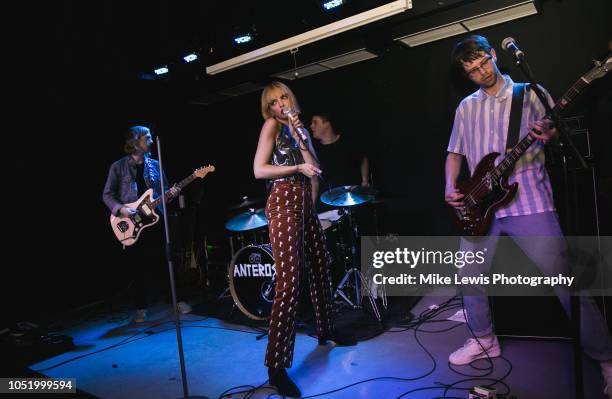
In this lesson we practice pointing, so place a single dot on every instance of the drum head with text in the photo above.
(251, 279)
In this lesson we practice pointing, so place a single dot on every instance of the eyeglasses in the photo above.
(479, 68)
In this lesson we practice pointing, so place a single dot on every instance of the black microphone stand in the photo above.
(565, 138)
(177, 321)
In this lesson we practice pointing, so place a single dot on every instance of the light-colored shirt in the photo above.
(481, 127)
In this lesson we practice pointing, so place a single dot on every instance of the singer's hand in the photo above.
(295, 121)
(308, 170)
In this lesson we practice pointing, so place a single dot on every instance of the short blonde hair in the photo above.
(265, 105)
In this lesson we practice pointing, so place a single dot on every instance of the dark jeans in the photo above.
(145, 263)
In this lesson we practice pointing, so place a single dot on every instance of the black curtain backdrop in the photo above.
(401, 105)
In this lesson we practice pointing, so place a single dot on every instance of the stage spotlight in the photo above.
(161, 71)
(190, 57)
(242, 39)
(331, 4)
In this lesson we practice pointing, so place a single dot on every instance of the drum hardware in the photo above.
(353, 278)
(247, 203)
(332, 223)
(353, 271)
(346, 197)
(241, 239)
(251, 273)
(248, 229)
(249, 220)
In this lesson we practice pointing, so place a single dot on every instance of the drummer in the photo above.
(286, 156)
(341, 157)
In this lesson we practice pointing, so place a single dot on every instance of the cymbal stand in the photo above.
(354, 275)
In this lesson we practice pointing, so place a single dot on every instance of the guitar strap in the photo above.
(516, 110)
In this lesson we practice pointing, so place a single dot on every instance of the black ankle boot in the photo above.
(282, 382)
(340, 339)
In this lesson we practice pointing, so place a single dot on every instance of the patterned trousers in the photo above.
(295, 229)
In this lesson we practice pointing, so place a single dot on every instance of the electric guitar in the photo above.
(488, 188)
(127, 229)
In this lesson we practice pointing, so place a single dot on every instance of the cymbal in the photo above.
(246, 202)
(348, 195)
(249, 220)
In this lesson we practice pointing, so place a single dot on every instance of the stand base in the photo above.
(358, 279)
(345, 280)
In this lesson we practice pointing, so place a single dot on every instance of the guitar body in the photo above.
(483, 195)
(128, 229)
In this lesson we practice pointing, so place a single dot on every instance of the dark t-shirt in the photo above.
(340, 162)
(140, 181)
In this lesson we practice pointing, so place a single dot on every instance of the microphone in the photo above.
(303, 132)
(509, 44)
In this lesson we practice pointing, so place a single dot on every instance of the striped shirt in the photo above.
(481, 126)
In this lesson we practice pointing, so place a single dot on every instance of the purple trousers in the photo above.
(551, 258)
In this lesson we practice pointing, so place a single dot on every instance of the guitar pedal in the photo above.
(479, 392)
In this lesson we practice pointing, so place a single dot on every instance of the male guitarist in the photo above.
(128, 178)
(481, 126)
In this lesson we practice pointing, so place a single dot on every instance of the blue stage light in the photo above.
(242, 39)
(161, 71)
(331, 4)
(190, 57)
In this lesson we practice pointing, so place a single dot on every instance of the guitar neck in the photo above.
(519, 149)
(180, 185)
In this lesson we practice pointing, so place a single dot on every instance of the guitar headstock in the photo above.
(203, 171)
(600, 69)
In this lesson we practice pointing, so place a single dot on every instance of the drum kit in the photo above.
(251, 271)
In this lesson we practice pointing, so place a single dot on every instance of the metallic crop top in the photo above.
(286, 150)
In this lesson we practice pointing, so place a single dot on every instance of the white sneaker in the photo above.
(140, 316)
(606, 371)
(472, 351)
(183, 307)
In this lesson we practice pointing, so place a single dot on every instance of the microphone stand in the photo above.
(168, 248)
(565, 137)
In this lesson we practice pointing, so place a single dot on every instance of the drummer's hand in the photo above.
(308, 170)
(365, 183)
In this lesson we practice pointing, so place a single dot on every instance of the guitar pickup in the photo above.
(462, 215)
(145, 208)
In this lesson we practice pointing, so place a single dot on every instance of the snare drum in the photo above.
(252, 277)
(329, 218)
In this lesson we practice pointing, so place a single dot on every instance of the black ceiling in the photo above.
(118, 40)
(126, 38)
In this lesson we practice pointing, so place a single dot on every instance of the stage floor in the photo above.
(142, 361)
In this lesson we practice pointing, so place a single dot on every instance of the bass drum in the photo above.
(252, 276)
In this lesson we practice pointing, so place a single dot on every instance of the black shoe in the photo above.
(340, 339)
(284, 385)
